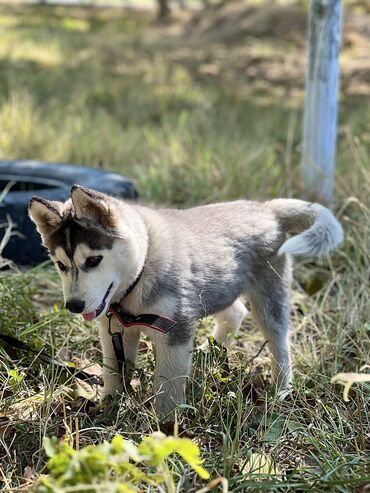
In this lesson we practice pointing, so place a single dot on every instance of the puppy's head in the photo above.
(97, 252)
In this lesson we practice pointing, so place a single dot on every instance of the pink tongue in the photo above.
(89, 316)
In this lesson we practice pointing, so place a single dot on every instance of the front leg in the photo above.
(173, 366)
(111, 377)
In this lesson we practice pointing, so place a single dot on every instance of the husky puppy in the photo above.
(184, 265)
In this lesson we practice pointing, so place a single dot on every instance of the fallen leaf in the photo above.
(348, 379)
(29, 473)
(260, 463)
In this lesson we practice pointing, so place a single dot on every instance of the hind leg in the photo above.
(228, 322)
(270, 300)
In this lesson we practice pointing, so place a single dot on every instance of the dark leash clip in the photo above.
(117, 343)
(109, 316)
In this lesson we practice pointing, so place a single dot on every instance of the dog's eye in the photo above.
(92, 262)
(61, 266)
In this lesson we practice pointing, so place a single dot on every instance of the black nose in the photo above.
(75, 306)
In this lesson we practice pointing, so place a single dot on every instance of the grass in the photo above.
(191, 123)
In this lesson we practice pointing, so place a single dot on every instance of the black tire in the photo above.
(21, 180)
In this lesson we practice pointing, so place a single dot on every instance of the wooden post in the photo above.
(321, 100)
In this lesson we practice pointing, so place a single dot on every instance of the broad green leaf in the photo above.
(15, 377)
(50, 446)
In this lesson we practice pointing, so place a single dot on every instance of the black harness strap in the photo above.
(125, 319)
(46, 358)
(118, 350)
(156, 322)
(117, 343)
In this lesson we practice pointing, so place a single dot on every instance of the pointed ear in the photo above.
(91, 206)
(46, 214)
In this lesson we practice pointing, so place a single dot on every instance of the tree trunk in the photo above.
(164, 9)
(321, 100)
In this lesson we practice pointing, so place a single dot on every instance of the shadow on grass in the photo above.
(135, 101)
(192, 122)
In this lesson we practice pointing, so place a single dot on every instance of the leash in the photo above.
(48, 359)
(117, 343)
(125, 319)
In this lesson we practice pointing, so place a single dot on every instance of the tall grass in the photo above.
(114, 90)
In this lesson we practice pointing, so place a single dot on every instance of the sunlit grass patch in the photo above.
(29, 51)
(75, 24)
(8, 20)
(118, 92)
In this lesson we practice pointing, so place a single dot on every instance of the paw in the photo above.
(109, 409)
(166, 402)
(283, 392)
(112, 386)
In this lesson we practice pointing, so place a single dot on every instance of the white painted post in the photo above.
(321, 100)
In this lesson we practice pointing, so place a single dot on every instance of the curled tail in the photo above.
(318, 230)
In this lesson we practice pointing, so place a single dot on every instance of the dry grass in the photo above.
(192, 125)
